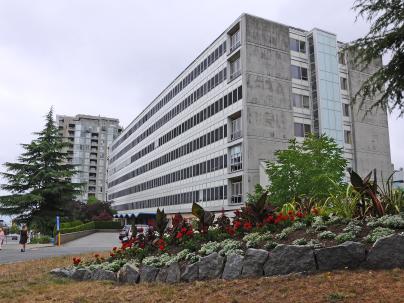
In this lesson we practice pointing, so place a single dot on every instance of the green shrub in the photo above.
(343, 237)
(70, 224)
(314, 243)
(254, 240)
(107, 225)
(301, 241)
(40, 240)
(210, 247)
(389, 221)
(377, 233)
(353, 227)
(92, 225)
(327, 235)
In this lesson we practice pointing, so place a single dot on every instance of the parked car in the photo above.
(14, 237)
(126, 233)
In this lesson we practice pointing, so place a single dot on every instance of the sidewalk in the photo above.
(16, 246)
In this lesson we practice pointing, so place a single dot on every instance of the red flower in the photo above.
(269, 219)
(230, 231)
(161, 247)
(76, 261)
(299, 214)
(141, 245)
(247, 225)
(315, 211)
(292, 218)
(114, 248)
(112, 254)
(183, 230)
(179, 235)
(237, 224)
(189, 233)
(290, 212)
(277, 220)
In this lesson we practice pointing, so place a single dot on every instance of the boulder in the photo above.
(81, 274)
(253, 262)
(286, 259)
(162, 275)
(211, 267)
(103, 274)
(173, 273)
(129, 273)
(62, 272)
(233, 267)
(148, 274)
(190, 273)
(349, 254)
(387, 252)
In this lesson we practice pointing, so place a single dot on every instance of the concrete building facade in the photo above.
(89, 137)
(207, 136)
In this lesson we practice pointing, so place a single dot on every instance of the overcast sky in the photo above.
(112, 58)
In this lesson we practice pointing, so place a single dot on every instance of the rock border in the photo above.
(386, 253)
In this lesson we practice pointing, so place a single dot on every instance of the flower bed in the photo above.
(205, 248)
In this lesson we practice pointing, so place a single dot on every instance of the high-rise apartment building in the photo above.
(207, 136)
(89, 137)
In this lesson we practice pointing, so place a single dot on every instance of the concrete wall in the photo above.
(370, 131)
(267, 110)
(64, 238)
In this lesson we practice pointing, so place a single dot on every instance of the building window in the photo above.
(299, 72)
(341, 58)
(235, 40)
(236, 158)
(347, 137)
(345, 109)
(235, 129)
(236, 192)
(302, 130)
(297, 45)
(344, 83)
(235, 68)
(301, 101)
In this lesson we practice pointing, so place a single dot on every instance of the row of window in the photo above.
(193, 97)
(209, 111)
(206, 139)
(209, 60)
(208, 194)
(185, 173)
(204, 114)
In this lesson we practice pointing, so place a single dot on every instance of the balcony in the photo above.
(235, 46)
(236, 192)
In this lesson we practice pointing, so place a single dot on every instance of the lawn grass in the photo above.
(30, 282)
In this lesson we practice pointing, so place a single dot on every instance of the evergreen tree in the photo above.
(40, 182)
(386, 36)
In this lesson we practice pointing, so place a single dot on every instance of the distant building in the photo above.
(398, 178)
(206, 137)
(89, 137)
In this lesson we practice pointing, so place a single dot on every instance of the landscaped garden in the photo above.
(327, 224)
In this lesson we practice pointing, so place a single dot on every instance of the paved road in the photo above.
(94, 242)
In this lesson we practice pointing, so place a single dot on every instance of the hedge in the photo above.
(40, 240)
(70, 224)
(92, 225)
